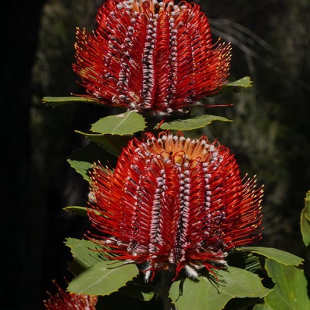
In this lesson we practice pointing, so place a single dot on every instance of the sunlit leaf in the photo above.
(58, 101)
(103, 278)
(280, 256)
(193, 123)
(84, 251)
(85, 254)
(305, 221)
(290, 291)
(244, 82)
(121, 124)
(77, 210)
(234, 283)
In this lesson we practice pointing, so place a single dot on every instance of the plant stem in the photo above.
(165, 286)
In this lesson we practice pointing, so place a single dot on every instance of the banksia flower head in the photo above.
(174, 203)
(151, 56)
(66, 300)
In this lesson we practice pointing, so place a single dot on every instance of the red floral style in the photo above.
(174, 203)
(65, 300)
(151, 55)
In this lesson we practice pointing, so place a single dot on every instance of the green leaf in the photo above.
(83, 159)
(138, 289)
(244, 260)
(77, 210)
(121, 124)
(58, 101)
(290, 291)
(118, 300)
(262, 307)
(245, 82)
(84, 252)
(233, 283)
(112, 144)
(192, 123)
(241, 303)
(280, 256)
(102, 279)
(305, 221)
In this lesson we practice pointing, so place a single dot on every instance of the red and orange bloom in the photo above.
(66, 300)
(151, 55)
(173, 203)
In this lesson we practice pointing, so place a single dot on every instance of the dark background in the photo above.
(270, 134)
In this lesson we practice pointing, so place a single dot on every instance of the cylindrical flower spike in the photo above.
(149, 55)
(174, 203)
(66, 300)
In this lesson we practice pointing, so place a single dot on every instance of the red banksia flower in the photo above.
(174, 203)
(151, 55)
(65, 301)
